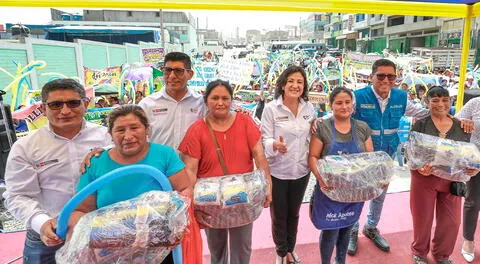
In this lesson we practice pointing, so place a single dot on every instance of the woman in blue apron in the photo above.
(337, 135)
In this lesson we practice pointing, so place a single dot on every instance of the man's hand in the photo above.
(47, 233)
(202, 220)
(86, 162)
(426, 170)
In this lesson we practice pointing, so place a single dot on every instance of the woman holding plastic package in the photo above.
(128, 125)
(471, 207)
(238, 140)
(337, 135)
(286, 133)
(430, 195)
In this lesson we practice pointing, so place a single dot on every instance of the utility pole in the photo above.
(162, 33)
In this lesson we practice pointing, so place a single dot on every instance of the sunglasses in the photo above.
(391, 77)
(179, 72)
(57, 105)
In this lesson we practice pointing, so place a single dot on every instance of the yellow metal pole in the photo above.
(467, 25)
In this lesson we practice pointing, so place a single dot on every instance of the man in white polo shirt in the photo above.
(172, 110)
(43, 168)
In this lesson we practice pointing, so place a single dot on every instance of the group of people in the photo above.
(189, 136)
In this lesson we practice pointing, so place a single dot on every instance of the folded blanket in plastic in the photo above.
(139, 230)
(449, 158)
(231, 200)
(356, 177)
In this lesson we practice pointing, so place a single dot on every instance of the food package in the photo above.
(139, 230)
(356, 177)
(448, 158)
(231, 200)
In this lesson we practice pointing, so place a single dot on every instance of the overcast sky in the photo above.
(224, 21)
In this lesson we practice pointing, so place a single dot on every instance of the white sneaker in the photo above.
(280, 260)
(468, 256)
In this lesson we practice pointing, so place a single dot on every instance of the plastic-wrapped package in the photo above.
(231, 200)
(448, 158)
(356, 177)
(138, 230)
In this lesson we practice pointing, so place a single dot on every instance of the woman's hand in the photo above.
(280, 146)
(202, 220)
(268, 200)
(86, 162)
(471, 172)
(426, 170)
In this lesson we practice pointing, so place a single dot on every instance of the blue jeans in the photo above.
(374, 211)
(331, 238)
(35, 252)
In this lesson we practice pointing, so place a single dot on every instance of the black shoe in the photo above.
(377, 238)
(353, 243)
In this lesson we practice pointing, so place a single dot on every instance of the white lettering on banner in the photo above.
(333, 217)
(235, 71)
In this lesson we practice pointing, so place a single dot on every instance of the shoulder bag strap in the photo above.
(218, 149)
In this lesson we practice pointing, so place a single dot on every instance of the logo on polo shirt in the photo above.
(159, 111)
(396, 106)
(194, 110)
(306, 117)
(45, 163)
(367, 106)
(281, 118)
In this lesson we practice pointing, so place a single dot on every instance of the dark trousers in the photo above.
(36, 252)
(287, 197)
(471, 208)
(329, 239)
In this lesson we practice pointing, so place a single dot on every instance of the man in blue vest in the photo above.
(381, 107)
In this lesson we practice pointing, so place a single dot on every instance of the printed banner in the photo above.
(106, 76)
(98, 115)
(204, 73)
(235, 71)
(153, 55)
(33, 114)
(316, 98)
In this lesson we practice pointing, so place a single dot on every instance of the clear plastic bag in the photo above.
(356, 177)
(139, 230)
(231, 200)
(448, 158)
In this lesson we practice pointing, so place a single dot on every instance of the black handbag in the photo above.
(458, 189)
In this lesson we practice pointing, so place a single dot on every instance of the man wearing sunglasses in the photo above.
(381, 107)
(43, 168)
(172, 110)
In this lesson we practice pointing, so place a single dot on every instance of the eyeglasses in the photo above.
(391, 77)
(57, 105)
(179, 72)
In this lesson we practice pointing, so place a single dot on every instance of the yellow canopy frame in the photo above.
(337, 6)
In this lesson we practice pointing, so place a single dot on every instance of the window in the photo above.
(395, 21)
(415, 19)
(427, 18)
(157, 14)
(129, 13)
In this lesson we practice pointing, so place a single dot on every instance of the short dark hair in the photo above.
(211, 85)
(437, 91)
(62, 84)
(178, 56)
(282, 81)
(125, 110)
(338, 90)
(383, 62)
